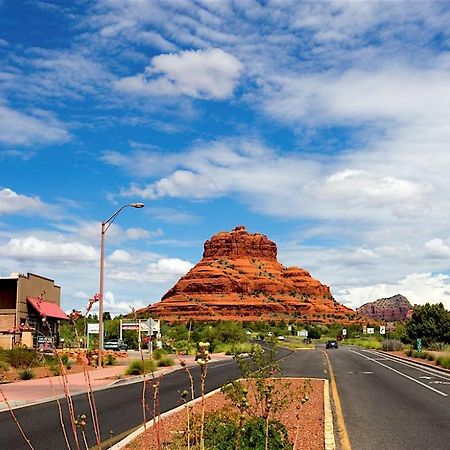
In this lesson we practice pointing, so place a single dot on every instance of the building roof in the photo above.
(47, 309)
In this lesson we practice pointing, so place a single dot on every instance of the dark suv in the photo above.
(331, 344)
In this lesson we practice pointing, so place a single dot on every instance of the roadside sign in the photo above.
(370, 330)
(93, 328)
(130, 326)
(419, 345)
(344, 332)
(303, 333)
(382, 329)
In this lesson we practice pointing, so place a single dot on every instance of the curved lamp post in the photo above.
(105, 225)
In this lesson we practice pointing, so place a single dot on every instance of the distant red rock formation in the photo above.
(391, 309)
(239, 278)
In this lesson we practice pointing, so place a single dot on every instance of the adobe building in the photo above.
(29, 310)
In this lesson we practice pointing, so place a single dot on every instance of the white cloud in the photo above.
(206, 74)
(437, 248)
(140, 233)
(418, 288)
(161, 271)
(116, 307)
(11, 203)
(17, 128)
(33, 248)
(120, 256)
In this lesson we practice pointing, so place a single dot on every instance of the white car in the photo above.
(281, 338)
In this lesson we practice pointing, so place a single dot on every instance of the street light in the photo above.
(105, 226)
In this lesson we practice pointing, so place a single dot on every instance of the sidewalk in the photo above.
(21, 393)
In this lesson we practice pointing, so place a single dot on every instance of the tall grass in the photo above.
(369, 343)
(139, 367)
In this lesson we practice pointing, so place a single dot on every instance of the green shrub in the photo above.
(444, 362)
(158, 353)
(137, 367)
(4, 365)
(26, 374)
(20, 357)
(110, 359)
(64, 358)
(221, 434)
(165, 361)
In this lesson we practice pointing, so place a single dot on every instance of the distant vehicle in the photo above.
(281, 338)
(331, 344)
(248, 332)
(269, 333)
(115, 344)
(307, 341)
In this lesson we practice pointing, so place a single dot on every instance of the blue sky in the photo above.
(323, 125)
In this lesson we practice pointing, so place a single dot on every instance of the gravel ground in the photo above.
(306, 422)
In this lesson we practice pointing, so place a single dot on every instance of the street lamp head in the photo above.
(137, 205)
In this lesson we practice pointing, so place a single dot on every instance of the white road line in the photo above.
(413, 365)
(402, 374)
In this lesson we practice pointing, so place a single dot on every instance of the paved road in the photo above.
(388, 404)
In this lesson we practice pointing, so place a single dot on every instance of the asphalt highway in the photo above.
(387, 404)
(390, 404)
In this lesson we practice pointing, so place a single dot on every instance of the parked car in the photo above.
(115, 344)
(331, 344)
(281, 338)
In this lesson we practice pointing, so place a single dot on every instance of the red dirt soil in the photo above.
(310, 425)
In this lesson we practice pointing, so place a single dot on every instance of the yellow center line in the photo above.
(343, 435)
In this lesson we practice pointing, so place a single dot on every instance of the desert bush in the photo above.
(26, 374)
(221, 433)
(158, 353)
(444, 362)
(110, 359)
(21, 357)
(64, 358)
(165, 361)
(139, 367)
(4, 365)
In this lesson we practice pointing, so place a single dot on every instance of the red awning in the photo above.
(47, 309)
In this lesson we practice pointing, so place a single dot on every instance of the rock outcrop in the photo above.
(389, 309)
(239, 278)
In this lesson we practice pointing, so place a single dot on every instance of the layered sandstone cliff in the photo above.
(389, 309)
(239, 278)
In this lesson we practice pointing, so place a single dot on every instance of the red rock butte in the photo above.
(239, 278)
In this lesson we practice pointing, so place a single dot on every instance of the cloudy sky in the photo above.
(324, 125)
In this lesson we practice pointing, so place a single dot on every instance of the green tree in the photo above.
(430, 322)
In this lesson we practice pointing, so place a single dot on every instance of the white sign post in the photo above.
(92, 328)
(344, 332)
(370, 330)
(382, 329)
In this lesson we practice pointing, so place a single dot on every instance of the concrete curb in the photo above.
(330, 443)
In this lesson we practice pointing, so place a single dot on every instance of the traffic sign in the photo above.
(382, 329)
(419, 345)
(344, 332)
